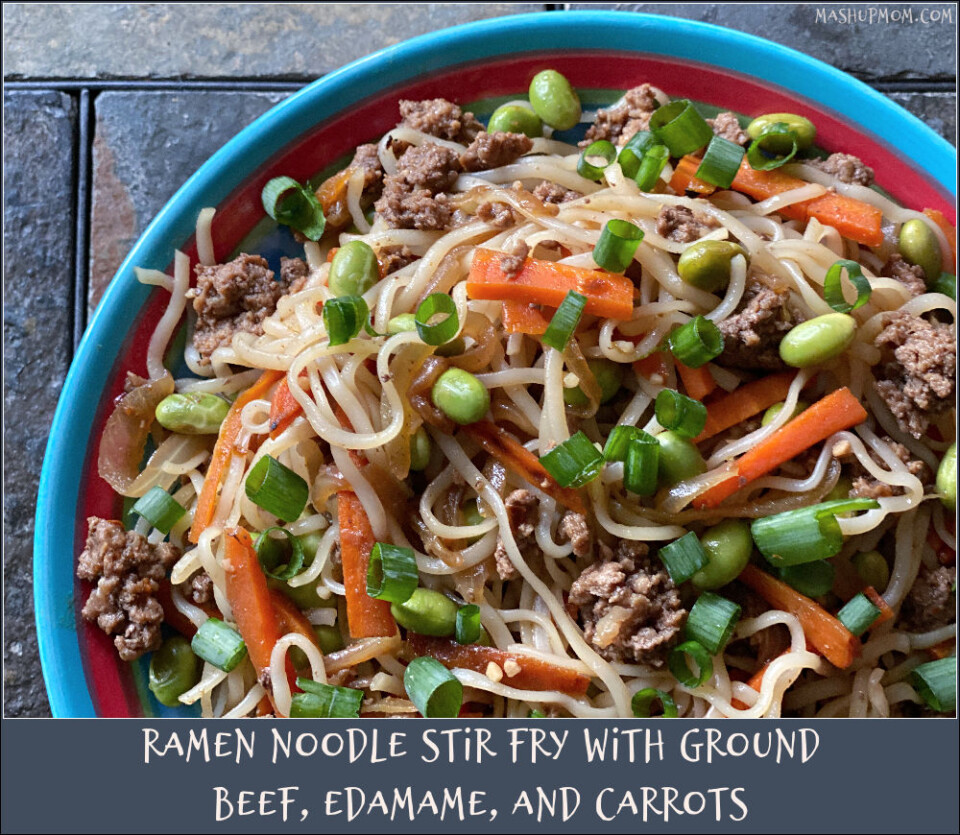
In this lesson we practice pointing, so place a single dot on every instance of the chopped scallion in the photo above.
(618, 243)
(810, 578)
(766, 151)
(219, 644)
(721, 162)
(343, 318)
(325, 701)
(641, 466)
(936, 683)
(468, 628)
(858, 614)
(712, 620)
(833, 291)
(678, 126)
(565, 320)
(436, 333)
(574, 462)
(696, 342)
(292, 204)
(160, 509)
(946, 284)
(434, 690)
(683, 557)
(643, 699)
(601, 149)
(277, 489)
(392, 573)
(677, 662)
(682, 414)
(270, 554)
(651, 166)
(618, 442)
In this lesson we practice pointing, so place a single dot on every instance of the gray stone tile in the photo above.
(215, 40)
(146, 145)
(938, 110)
(39, 171)
(869, 48)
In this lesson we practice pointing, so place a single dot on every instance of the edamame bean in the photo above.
(460, 396)
(427, 612)
(471, 513)
(419, 450)
(305, 596)
(192, 413)
(706, 264)
(554, 100)
(947, 478)
(329, 638)
(728, 547)
(920, 246)
(174, 669)
(841, 490)
(403, 323)
(776, 408)
(515, 118)
(817, 340)
(801, 126)
(609, 376)
(872, 568)
(354, 270)
(679, 459)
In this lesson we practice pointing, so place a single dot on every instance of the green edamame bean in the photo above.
(174, 669)
(776, 408)
(354, 270)
(193, 413)
(841, 490)
(817, 340)
(305, 597)
(947, 478)
(329, 638)
(918, 245)
(872, 568)
(679, 459)
(609, 376)
(728, 547)
(515, 118)
(470, 510)
(427, 612)
(460, 396)
(706, 264)
(419, 450)
(801, 126)
(403, 323)
(554, 100)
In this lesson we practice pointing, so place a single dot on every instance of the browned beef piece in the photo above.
(907, 274)
(917, 370)
(929, 603)
(233, 297)
(522, 512)
(293, 273)
(128, 571)
(630, 607)
(867, 487)
(550, 192)
(414, 197)
(727, 126)
(393, 258)
(367, 158)
(440, 118)
(678, 223)
(493, 150)
(198, 589)
(846, 168)
(751, 335)
(499, 214)
(513, 263)
(617, 124)
(574, 528)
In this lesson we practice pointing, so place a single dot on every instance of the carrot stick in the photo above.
(290, 618)
(284, 409)
(224, 451)
(545, 282)
(367, 617)
(827, 635)
(755, 682)
(838, 410)
(744, 402)
(526, 318)
(698, 382)
(886, 613)
(685, 179)
(943, 649)
(529, 674)
(950, 233)
(518, 459)
(651, 366)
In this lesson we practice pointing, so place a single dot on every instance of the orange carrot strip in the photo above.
(937, 217)
(685, 179)
(518, 459)
(284, 409)
(367, 617)
(533, 674)
(744, 402)
(223, 451)
(652, 365)
(698, 382)
(290, 618)
(331, 253)
(886, 613)
(838, 410)
(545, 282)
(755, 682)
(526, 318)
(827, 635)
(943, 649)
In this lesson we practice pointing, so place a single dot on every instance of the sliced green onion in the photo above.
(651, 166)
(343, 318)
(277, 489)
(677, 662)
(601, 148)
(629, 162)
(641, 466)
(810, 578)
(468, 627)
(446, 328)
(219, 644)
(762, 153)
(678, 126)
(536, 714)
(565, 320)
(696, 343)
(642, 699)
(574, 462)
(833, 292)
(392, 573)
(858, 614)
(683, 557)
(641, 142)
(325, 701)
(936, 683)
(435, 691)
(159, 508)
(618, 442)
(682, 414)
(946, 284)
(618, 242)
(804, 535)
(269, 555)
(721, 162)
(292, 204)
(712, 620)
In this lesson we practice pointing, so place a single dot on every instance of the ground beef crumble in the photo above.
(493, 150)
(550, 192)
(910, 275)
(414, 197)
(512, 263)
(367, 157)
(867, 487)
(727, 126)
(678, 223)
(752, 334)
(128, 571)
(617, 124)
(929, 604)
(393, 258)
(440, 118)
(846, 168)
(198, 589)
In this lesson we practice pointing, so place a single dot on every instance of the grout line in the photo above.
(81, 266)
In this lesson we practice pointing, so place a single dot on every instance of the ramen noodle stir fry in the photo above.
(659, 424)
